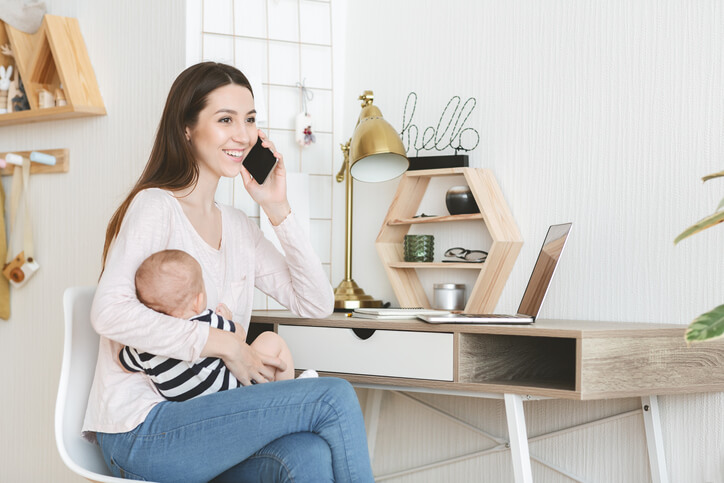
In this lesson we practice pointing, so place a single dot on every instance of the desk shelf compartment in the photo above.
(542, 362)
(391, 353)
(494, 213)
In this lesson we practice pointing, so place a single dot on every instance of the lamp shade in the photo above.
(376, 150)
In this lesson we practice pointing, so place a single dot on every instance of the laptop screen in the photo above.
(542, 274)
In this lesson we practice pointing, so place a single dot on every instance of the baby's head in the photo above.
(171, 282)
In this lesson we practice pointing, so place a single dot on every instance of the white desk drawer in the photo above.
(418, 355)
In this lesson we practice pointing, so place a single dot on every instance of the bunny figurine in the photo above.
(5, 75)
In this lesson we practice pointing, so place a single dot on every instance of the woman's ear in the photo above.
(187, 133)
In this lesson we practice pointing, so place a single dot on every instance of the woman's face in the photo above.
(225, 131)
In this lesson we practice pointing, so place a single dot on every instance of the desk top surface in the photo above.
(541, 328)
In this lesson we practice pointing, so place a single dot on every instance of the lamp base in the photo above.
(349, 296)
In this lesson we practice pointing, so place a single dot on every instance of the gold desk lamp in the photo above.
(374, 153)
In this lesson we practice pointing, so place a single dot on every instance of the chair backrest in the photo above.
(80, 352)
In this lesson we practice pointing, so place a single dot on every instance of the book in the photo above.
(401, 313)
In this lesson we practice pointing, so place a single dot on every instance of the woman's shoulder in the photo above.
(153, 199)
(149, 205)
(153, 195)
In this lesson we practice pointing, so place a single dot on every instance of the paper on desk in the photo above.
(298, 195)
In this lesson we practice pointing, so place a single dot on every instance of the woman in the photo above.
(299, 430)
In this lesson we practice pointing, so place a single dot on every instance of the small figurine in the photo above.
(5, 75)
(60, 97)
(12, 92)
(20, 100)
(45, 99)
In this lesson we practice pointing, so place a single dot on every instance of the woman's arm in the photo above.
(116, 313)
(296, 280)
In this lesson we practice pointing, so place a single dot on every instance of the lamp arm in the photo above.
(345, 150)
(340, 175)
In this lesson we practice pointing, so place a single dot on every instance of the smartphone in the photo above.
(259, 162)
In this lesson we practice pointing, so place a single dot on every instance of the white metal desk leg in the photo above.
(518, 438)
(372, 417)
(654, 439)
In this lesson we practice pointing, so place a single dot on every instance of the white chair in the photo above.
(80, 351)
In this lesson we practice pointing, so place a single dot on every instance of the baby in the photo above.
(171, 282)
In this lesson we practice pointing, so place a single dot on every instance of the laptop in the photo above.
(535, 292)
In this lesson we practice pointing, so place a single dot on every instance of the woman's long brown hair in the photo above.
(171, 165)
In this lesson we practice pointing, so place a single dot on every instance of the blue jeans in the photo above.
(302, 430)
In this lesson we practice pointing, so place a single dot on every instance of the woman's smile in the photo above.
(236, 155)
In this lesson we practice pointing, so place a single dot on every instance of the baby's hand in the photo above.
(223, 311)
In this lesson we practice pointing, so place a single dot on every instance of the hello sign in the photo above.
(454, 135)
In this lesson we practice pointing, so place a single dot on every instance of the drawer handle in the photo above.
(364, 334)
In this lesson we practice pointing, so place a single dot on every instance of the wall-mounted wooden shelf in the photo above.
(494, 213)
(436, 219)
(55, 55)
(469, 266)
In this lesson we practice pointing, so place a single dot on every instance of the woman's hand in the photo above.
(242, 360)
(272, 196)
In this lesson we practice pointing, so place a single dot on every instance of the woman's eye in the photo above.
(251, 120)
(225, 119)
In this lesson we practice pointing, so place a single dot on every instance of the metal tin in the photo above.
(449, 296)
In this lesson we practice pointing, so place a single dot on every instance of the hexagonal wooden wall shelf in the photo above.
(494, 213)
(52, 57)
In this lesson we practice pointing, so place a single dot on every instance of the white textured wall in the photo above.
(603, 113)
(134, 48)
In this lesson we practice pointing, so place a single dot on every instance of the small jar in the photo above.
(449, 296)
(418, 248)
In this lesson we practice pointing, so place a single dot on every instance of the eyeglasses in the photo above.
(465, 255)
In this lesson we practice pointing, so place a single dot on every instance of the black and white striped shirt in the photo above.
(180, 380)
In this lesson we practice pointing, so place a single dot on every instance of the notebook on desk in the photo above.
(395, 313)
(535, 292)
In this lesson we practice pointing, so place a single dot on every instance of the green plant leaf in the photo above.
(712, 176)
(702, 224)
(721, 205)
(707, 326)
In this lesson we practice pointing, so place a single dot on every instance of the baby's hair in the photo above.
(168, 280)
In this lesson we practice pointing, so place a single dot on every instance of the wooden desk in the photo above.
(566, 359)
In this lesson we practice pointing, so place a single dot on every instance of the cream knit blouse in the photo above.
(119, 401)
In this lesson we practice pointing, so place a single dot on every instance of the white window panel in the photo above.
(284, 105)
(316, 66)
(317, 157)
(250, 18)
(218, 16)
(219, 48)
(283, 63)
(284, 20)
(321, 110)
(242, 200)
(194, 29)
(277, 43)
(251, 58)
(285, 144)
(314, 23)
(319, 235)
(320, 205)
